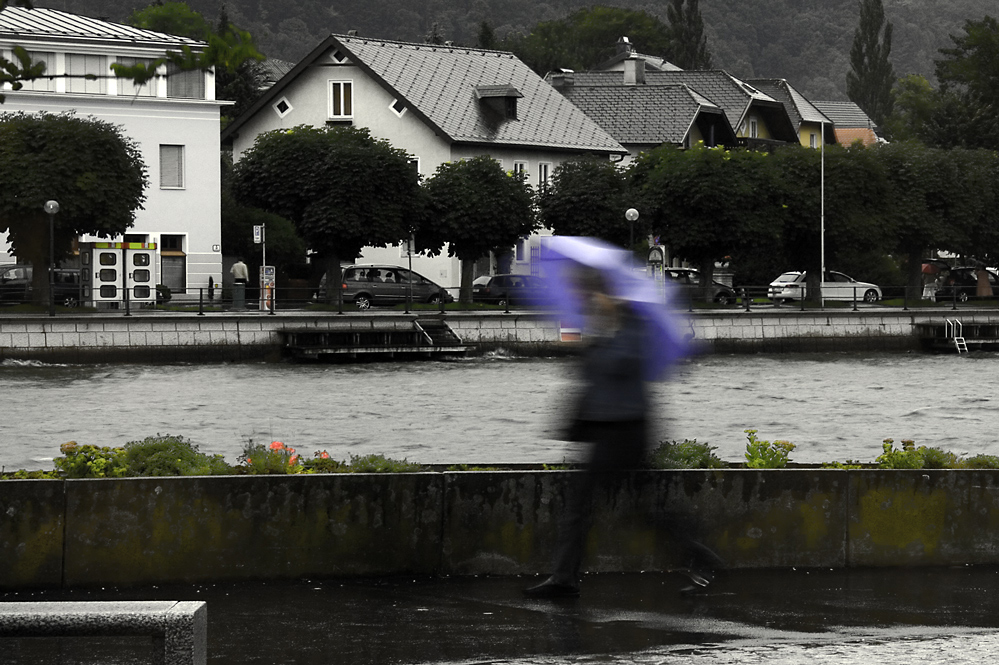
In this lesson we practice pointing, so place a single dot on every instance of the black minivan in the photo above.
(367, 285)
(15, 285)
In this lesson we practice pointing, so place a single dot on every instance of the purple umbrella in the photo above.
(627, 281)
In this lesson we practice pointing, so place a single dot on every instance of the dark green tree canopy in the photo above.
(871, 77)
(93, 171)
(342, 188)
(475, 207)
(588, 37)
(588, 197)
(688, 45)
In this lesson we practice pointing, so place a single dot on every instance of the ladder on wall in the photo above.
(956, 331)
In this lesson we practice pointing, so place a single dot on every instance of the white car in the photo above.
(837, 286)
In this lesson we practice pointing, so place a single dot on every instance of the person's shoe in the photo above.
(699, 580)
(552, 588)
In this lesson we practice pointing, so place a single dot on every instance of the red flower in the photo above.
(276, 445)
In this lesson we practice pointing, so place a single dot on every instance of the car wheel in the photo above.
(724, 299)
(434, 299)
(870, 295)
(962, 296)
(502, 302)
(70, 301)
(362, 301)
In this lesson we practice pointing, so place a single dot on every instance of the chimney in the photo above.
(562, 79)
(634, 71)
(624, 46)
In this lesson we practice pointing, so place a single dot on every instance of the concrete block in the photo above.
(31, 533)
(38, 339)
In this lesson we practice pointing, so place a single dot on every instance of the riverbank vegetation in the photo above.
(168, 455)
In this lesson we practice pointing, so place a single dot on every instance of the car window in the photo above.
(387, 276)
(480, 281)
(837, 277)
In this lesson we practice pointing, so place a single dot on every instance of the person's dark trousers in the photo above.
(616, 447)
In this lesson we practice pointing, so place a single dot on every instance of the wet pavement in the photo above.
(928, 615)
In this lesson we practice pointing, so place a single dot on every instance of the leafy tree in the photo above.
(588, 197)
(343, 189)
(475, 207)
(87, 165)
(237, 79)
(969, 77)
(588, 37)
(688, 45)
(487, 37)
(707, 203)
(871, 77)
(914, 111)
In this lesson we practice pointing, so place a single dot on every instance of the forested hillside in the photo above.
(804, 41)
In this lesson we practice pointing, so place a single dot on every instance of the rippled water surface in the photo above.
(499, 409)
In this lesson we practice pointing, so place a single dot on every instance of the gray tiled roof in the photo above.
(637, 114)
(799, 108)
(51, 24)
(845, 115)
(733, 96)
(439, 82)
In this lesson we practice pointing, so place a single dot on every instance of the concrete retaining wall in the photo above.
(212, 529)
(167, 337)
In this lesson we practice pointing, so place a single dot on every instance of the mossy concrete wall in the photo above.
(161, 530)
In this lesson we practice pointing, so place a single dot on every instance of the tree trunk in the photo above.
(707, 270)
(914, 276)
(465, 292)
(334, 278)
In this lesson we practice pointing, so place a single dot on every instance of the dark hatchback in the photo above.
(962, 283)
(511, 290)
(15, 285)
(688, 282)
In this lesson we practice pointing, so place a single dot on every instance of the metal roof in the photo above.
(439, 84)
(20, 23)
(637, 114)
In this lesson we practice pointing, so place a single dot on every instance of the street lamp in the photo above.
(51, 207)
(631, 215)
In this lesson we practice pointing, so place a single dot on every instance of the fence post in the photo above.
(745, 298)
(201, 302)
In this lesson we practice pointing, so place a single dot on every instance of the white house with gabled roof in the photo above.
(174, 119)
(439, 103)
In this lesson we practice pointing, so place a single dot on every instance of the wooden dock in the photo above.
(955, 336)
(428, 337)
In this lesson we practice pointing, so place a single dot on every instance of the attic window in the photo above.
(338, 56)
(398, 106)
(283, 107)
(501, 99)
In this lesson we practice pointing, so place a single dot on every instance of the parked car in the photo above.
(962, 283)
(836, 286)
(511, 290)
(385, 285)
(688, 281)
(15, 285)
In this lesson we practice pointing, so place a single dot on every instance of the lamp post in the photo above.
(51, 207)
(631, 215)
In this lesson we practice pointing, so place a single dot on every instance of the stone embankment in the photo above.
(141, 531)
(167, 337)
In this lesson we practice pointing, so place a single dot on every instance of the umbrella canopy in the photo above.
(626, 281)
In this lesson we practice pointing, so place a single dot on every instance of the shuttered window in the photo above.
(185, 84)
(171, 167)
(79, 66)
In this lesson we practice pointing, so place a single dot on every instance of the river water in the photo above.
(500, 408)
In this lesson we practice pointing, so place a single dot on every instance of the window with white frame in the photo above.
(183, 84)
(171, 167)
(414, 163)
(813, 141)
(754, 129)
(127, 87)
(341, 101)
(520, 168)
(398, 107)
(79, 66)
(283, 107)
(40, 84)
(544, 174)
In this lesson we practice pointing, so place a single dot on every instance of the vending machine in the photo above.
(116, 274)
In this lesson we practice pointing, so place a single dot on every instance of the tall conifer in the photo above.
(871, 77)
(686, 30)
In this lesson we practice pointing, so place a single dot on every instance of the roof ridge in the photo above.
(419, 45)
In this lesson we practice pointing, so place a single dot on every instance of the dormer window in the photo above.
(500, 99)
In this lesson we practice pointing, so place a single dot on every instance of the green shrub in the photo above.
(323, 463)
(468, 467)
(909, 457)
(845, 466)
(688, 454)
(276, 458)
(381, 464)
(165, 455)
(766, 455)
(21, 474)
(90, 461)
(935, 458)
(980, 462)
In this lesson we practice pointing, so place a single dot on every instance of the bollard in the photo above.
(128, 303)
(239, 295)
(745, 298)
(506, 304)
(855, 299)
(440, 299)
(953, 296)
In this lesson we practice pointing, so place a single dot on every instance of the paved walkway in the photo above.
(817, 616)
